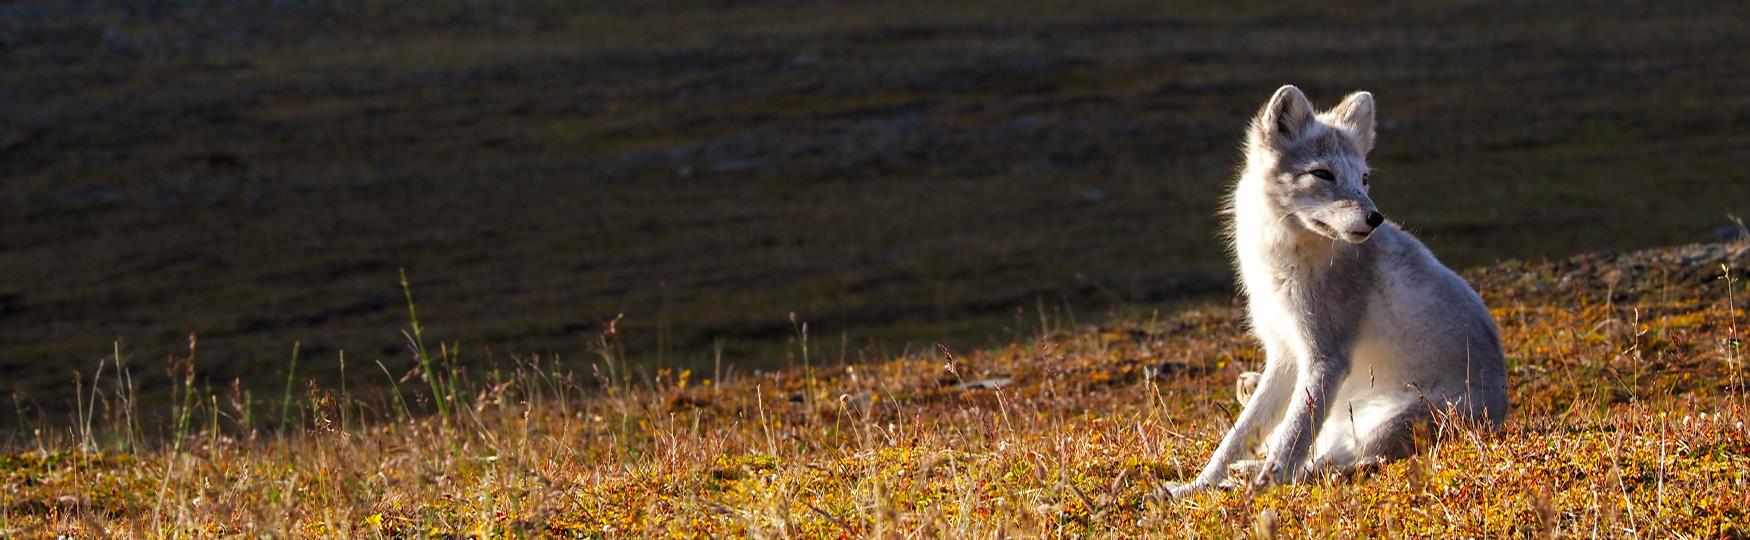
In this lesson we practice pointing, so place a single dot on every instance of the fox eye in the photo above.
(1364, 178)
(1322, 174)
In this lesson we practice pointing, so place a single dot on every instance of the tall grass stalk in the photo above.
(1734, 343)
(807, 366)
(291, 375)
(125, 402)
(345, 396)
(401, 413)
(417, 339)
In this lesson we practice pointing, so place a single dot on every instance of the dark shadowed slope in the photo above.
(893, 173)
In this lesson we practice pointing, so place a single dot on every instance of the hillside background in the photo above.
(894, 173)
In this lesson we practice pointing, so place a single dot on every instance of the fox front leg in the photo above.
(1287, 448)
(1274, 390)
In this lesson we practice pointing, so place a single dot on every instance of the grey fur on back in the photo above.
(1353, 312)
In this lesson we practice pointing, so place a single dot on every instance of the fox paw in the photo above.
(1242, 473)
(1173, 491)
(1246, 385)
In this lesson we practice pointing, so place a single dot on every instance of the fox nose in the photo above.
(1374, 219)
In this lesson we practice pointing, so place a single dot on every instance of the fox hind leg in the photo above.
(1372, 440)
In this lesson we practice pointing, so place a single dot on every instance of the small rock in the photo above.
(992, 384)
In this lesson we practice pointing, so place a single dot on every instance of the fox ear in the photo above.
(1285, 118)
(1355, 117)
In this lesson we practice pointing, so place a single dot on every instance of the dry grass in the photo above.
(1629, 419)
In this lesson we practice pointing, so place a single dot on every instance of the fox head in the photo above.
(1314, 164)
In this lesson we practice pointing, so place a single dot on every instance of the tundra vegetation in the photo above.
(1628, 419)
(207, 204)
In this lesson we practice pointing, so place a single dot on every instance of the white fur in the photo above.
(1365, 333)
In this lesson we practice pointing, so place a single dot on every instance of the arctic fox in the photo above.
(1365, 334)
